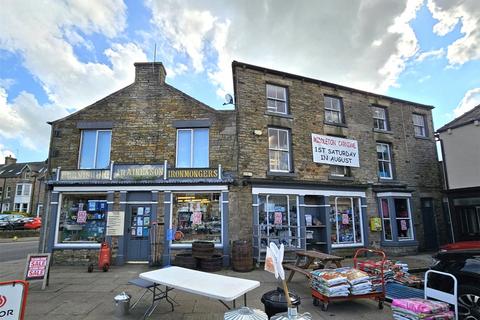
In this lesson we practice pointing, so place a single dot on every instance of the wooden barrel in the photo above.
(242, 256)
(185, 260)
(211, 264)
(203, 249)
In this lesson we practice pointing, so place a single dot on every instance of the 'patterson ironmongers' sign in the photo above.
(138, 171)
(192, 173)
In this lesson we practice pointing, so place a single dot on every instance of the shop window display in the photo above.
(387, 226)
(404, 219)
(196, 216)
(346, 221)
(82, 219)
(279, 221)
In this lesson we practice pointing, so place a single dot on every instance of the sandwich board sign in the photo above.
(13, 298)
(38, 268)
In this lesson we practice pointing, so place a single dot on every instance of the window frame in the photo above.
(192, 130)
(287, 107)
(409, 211)
(96, 149)
(22, 187)
(383, 219)
(422, 127)
(8, 191)
(341, 113)
(389, 162)
(289, 158)
(360, 215)
(384, 119)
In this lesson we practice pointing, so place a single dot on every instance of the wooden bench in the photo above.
(295, 268)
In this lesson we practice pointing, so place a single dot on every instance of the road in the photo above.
(14, 250)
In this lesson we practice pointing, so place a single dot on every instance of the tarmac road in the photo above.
(14, 250)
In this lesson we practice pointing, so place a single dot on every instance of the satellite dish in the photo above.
(228, 99)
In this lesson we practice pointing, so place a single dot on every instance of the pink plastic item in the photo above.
(418, 305)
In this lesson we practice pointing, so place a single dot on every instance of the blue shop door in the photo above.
(138, 238)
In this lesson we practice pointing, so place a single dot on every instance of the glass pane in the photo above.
(404, 222)
(385, 210)
(184, 148)
(274, 157)
(281, 93)
(283, 139)
(196, 216)
(418, 120)
(284, 161)
(281, 106)
(387, 229)
(270, 91)
(103, 149)
(200, 148)
(87, 152)
(345, 221)
(26, 189)
(271, 105)
(273, 138)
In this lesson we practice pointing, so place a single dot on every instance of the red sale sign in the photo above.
(37, 268)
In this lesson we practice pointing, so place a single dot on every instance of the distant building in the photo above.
(22, 186)
(460, 141)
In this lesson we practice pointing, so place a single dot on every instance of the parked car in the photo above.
(462, 259)
(33, 223)
(12, 221)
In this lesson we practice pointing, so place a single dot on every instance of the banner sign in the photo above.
(13, 298)
(38, 268)
(138, 171)
(335, 151)
(115, 223)
(192, 173)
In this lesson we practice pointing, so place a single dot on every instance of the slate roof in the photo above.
(14, 170)
(464, 119)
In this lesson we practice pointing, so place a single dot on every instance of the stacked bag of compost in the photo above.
(421, 309)
(359, 281)
(330, 283)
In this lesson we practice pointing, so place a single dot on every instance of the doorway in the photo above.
(138, 232)
(429, 224)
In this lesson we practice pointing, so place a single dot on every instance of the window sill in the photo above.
(281, 115)
(343, 125)
(340, 178)
(382, 131)
(281, 174)
(399, 243)
(422, 138)
(384, 180)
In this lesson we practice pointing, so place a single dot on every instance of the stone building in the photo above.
(158, 156)
(22, 186)
(333, 168)
(306, 163)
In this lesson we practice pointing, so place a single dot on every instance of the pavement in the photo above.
(17, 249)
(75, 294)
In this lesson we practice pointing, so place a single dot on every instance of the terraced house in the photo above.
(299, 161)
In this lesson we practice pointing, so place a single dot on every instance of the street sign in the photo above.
(13, 298)
(38, 268)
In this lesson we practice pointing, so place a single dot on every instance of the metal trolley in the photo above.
(322, 300)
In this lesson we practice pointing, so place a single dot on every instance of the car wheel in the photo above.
(469, 303)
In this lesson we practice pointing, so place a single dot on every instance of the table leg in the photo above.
(234, 305)
(245, 299)
(338, 264)
(292, 272)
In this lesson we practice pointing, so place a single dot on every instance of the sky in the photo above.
(60, 56)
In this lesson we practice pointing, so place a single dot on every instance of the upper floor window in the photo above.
(8, 190)
(279, 149)
(192, 148)
(339, 171)
(333, 110)
(277, 99)
(380, 121)
(95, 149)
(1, 192)
(23, 189)
(419, 125)
(384, 161)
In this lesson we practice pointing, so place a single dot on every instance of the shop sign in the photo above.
(115, 223)
(37, 268)
(84, 174)
(13, 297)
(192, 173)
(335, 151)
(138, 171)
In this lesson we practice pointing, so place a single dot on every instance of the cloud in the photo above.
(5, 152)
(470, 100)
(334, 41)
(26, 120)
(433, 54)
(44, 34)
(449, 14)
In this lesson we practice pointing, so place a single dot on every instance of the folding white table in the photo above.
(211, 285)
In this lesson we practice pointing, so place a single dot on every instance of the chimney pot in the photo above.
(153, 72)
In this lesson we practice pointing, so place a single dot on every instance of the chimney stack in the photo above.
(150, 72)
(10, 160)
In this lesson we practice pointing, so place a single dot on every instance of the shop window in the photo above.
(279, 149)
(380, 121)
(384, 161)
(403, 219)
(196, 216)
(333, 110)
(192, 148)
(346, 221)
(278, 221)
(277, 99)
(82, 219)
(419, 125)
(386, 222)
(95, 149)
